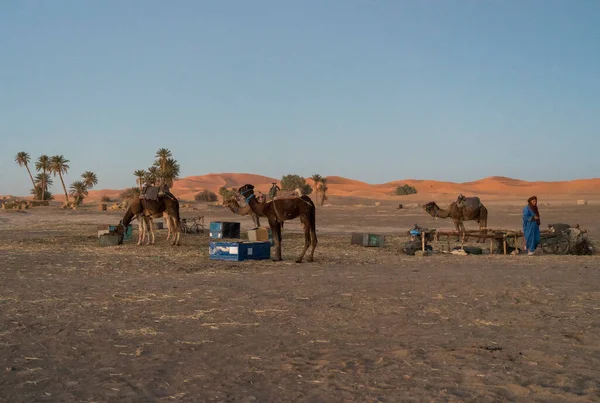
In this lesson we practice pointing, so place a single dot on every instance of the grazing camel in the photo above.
(166, 205)
(235, 208)
(464, 209)
(280, 210)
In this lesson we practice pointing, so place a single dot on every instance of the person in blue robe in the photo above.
(531, 225)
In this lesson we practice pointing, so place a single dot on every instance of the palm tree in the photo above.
(44, 178)
(170, 172)
(162, 155)
(59, 166)
(140, 174)
(168, 168)
(152, 176)
(41, 180)
(89, 179)
(79, 191)
(323, 189)
(43, 164)
(316, 178)
(23, 159)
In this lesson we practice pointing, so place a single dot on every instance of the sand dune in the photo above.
(496, 187)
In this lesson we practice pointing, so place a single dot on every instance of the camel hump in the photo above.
(470, 202)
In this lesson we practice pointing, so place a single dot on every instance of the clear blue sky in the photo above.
(371, 90)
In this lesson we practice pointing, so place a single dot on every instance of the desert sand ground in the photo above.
(83, 323)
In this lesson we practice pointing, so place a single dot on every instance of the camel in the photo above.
(235, 208)
(463, 209)
(280, 210)
(144, 210)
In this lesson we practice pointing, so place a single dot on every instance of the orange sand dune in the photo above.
(495, 187)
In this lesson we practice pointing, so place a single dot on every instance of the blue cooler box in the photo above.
(238, 251)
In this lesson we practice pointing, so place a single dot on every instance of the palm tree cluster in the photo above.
(79, 189)
(164, 171)
(55, 165)
(320, 188)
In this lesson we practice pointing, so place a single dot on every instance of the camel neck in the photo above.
(128, 217)
(441, 213)
(254, 205)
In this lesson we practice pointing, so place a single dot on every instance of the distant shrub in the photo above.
(105, 199)
(206, 196)
(293, 182)
(405, 190)
(227, 193)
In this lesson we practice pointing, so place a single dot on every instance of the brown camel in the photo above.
(280, 210)
(167, 205)
(235, 208)
(464, 209)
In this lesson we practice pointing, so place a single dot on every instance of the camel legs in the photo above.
(276, 230)
(310, 239)
(256, 220)
(145, 224)
(168, 223)
(174, 229)
(141, 232)
(457, 225)
(150, 225)
(313, 242)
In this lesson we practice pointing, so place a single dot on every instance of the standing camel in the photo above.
(464, 209)
(280, 210)
(235, 208)
(166, 205)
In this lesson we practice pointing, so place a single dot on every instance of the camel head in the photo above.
(120, 230)
(247, 191)
(430, 207)
(230, 202)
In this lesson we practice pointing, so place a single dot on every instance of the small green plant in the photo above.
(405, 190)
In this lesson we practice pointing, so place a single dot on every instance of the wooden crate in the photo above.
(262, 234)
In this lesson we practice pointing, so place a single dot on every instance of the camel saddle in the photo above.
(471, 203)
(288, 195)
(150, 193)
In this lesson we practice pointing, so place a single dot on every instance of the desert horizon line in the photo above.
(349, 179)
